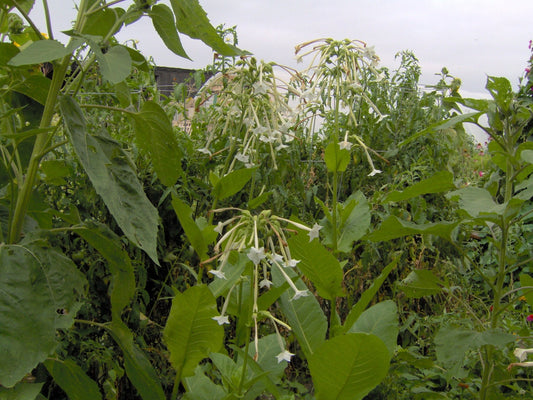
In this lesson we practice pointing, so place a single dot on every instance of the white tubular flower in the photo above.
(220, 228)
(345, 144)
(218, 274)
(300, 293)
(276, 258)
(265, 283)
(285, 355)
(221, 319)
(521, 354)
(313, 233)
(256, 254)
(260, 88)
(242, 158)
(375, 172)
(291, 263)
(205, 151)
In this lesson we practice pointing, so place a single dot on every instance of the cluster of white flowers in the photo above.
(245, 233)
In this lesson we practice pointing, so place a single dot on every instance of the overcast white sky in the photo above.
(472, 38)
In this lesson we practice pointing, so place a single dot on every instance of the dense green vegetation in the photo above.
(331, 232)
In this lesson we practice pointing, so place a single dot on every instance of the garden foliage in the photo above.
(330, 232)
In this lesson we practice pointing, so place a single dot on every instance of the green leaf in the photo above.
(35, 87)
(393, 228)
(367, 296)
(193, 232)
(452, 344)
(200, 387)
(442, 125)
(155, 135)
(7, 51)
(304, 315)
(476, 202)
(419, 283)
(527, 156)
(192, 20)
(501, 91)
(39, 291)
(138, 368)
(317, 264)
(165, 25)
(440, 182)
(231, 183)
(39, 52)
(381, 320)
(73, 380)
(233, 270)
(349, 366)
(190, 332)
(108, 244)
(21, 391)
(353, 220)
(101, 23)
(336, 159)
(114, 178)
(115, 65)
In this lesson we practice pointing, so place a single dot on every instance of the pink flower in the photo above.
(480, 173)
(530, 317)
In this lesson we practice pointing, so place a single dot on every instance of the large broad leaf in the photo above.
(113, 176)
(21, 391)
(231, 183)
(367, 296)
(349, 366)
(353, 221)
(108, 244)
(419, 283)
(501, 91)
(190, 332)
(73, 380)
(115, 64)
(317, 264)
(138, 368)
(192, 20)
(304, 315)
(39, 289)
(453, 343)
(39, 52)
(155, 135)
(477, 202)
(35, 87)
(200, 387)
(102, 22)
(233, 270)
(393, 228)
(440, 182)
(165, 25)
(336, 159)
(381, 320)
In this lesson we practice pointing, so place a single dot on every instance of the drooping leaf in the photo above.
(353, 221)
(35, 87)
(231, 183)
(317, 264)
(113, 176)
(442, 125)
(165, 25)
(440, 182)
(155, 135)
(304, 315)
(39, 52)
(108, 244)
(192, 20)
(349, 366)
(393, 228)
(138, 368)
(419, 283)
(39, 291)
(367, 296)
(190, 332)
(193, 232)
(381, 320)
(72, 379)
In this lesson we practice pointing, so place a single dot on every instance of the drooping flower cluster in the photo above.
(262, 238)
